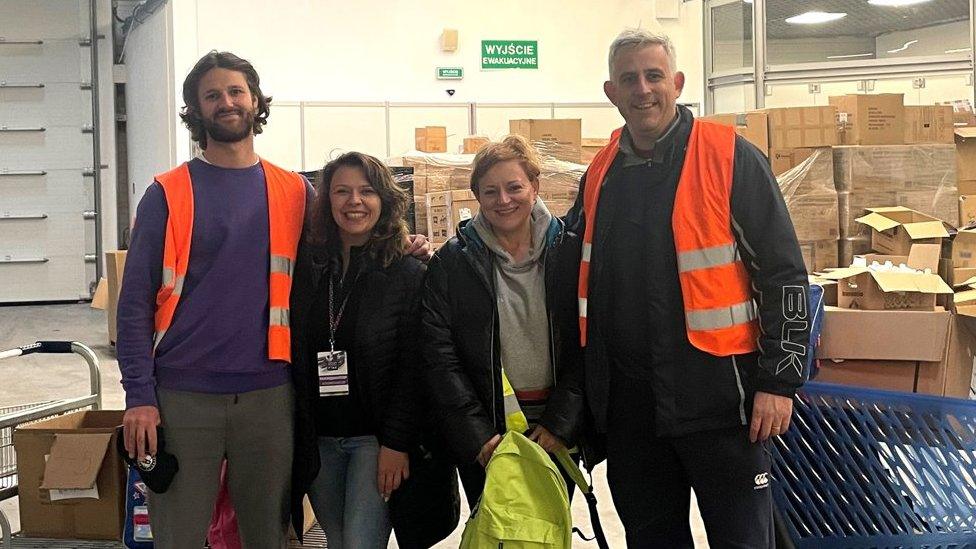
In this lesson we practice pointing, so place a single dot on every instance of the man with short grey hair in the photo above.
(693, 312)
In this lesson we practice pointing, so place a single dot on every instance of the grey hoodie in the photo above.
(523, 324)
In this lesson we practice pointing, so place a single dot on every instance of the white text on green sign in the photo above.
(509, 54)
(450, 73)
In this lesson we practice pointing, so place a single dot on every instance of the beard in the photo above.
(221, 133)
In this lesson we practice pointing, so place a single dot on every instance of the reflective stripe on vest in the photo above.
(286, 214)
(720, 315)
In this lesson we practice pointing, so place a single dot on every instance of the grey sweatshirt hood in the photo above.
(520, 299)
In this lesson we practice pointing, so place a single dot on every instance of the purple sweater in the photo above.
(218, 340)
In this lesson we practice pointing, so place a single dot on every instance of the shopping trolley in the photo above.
(12, 416)
(864, 468)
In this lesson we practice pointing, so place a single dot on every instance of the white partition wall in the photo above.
(332, 129)
(281, 142)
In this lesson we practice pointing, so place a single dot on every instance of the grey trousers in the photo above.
(254, 431)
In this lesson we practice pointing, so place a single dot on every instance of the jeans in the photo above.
(345, 497)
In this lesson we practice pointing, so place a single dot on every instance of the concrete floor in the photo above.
(36, 378)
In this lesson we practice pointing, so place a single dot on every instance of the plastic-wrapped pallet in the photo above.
(811, 199)
(440, 172)
(920, 177)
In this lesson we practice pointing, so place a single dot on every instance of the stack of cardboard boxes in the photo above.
(919, 177)
(442, 182)
(891, 329)
(884, 154)
(812, 201)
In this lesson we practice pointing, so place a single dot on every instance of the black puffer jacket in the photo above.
(386, 351)
(461, 340)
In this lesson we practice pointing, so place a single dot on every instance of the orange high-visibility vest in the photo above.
(720, 316)
(286, 214)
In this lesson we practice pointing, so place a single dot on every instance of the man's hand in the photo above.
(139, 430)
(770, 416)
(549, 442)
(393, 468)
(419, 247)
(488, 449)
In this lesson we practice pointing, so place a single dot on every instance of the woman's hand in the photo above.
(419, 247)
(488, 449)
(549, 442)
(393, 468)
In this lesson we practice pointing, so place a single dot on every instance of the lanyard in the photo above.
(334, 318)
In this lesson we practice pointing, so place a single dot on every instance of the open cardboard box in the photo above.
(894, 229)
(72, 481)
(862, 288)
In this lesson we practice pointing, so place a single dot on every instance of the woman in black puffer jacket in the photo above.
(361, 425)
(504, 291)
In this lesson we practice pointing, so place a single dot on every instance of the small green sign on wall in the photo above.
(450, 73)
(509, 54)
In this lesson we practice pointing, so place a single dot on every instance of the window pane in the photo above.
(731, 35)
(846, 30)
(734, 98)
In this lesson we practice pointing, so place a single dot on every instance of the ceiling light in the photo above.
(959, 50)
(849, 56)
(904, 46)
(896, 3)
(814, 18)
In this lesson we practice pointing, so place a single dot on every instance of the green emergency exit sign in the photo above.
(450, 73)
(509, 54)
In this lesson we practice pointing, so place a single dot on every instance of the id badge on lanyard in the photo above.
(333, 373)
(333, 365)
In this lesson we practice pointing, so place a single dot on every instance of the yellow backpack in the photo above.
(525, 503)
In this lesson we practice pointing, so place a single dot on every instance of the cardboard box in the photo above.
(913, 351)
(473, 144)
(966, 154)
(420, 215)
(966, 186)
(114, 267)
(895, 229)
(801, 127)
(591, 146)
(962, 112)
(929, 124)
(964, 248)
(884, 335)
(431, 139)
(100, 297)
(967, 210)
(819, 254)
(558, 138)
(890, 375)
(73, 451)
(784, 160)
(871, 119)
(862, 288)
(829, 289)
(445, 210)
(753, 126)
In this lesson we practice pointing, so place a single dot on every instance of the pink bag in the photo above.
(223, 532)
